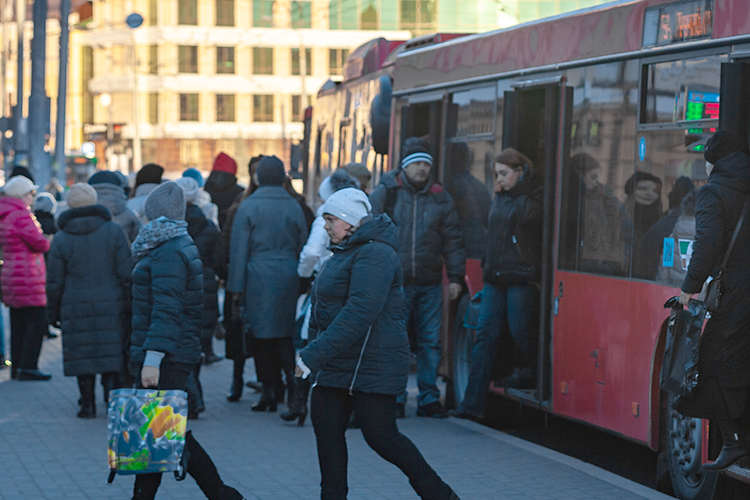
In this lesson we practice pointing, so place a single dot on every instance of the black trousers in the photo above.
(27, 328)
(199, 466)
(330, 410)
(272, 356)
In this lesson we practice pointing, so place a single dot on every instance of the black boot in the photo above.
(235, 392)
(86, 386)
(298, 404)
(736, 446)
(267, 401)
(203, 470)
(110, 381)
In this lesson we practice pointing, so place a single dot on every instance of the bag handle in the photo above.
(736, 233)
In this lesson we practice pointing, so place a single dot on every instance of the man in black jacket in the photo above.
(429, 234)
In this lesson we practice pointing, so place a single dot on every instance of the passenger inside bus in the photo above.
(643, 200)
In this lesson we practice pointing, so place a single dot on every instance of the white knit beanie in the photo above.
(190, 186)
(350, 205)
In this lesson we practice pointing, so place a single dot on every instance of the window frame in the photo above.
(298, 60)
(260, 117)
(225, 16)
(187, 115)
(268, 68)
(181, 64)
(224, 117)
(221, 63)
(183, 18)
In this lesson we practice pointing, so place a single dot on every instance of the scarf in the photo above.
(155, 233)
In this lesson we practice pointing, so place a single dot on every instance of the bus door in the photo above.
(735, 80)
(423, 117)
(531, 125)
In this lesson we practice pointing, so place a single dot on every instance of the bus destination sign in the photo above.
(677, 22)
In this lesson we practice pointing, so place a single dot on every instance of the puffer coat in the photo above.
(24, 272)
(113, 197)
(429, 231)
(168, 302)
(223, 188)
(358, 315)
(268, 233)
(725, 343)
(88, 288)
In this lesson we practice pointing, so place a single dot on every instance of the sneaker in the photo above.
(400, 410)
(434, 410)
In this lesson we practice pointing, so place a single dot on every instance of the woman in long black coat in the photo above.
(88, 293)
(723, 392)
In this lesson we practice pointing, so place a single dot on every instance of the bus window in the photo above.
(595, 225)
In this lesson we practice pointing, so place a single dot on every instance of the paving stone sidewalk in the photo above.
(48, 453)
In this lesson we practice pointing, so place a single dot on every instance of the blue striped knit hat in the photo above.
(415, 149)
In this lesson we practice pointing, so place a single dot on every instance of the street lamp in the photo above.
(105, 100)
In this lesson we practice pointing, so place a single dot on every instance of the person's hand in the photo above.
(301, 370)
(150, 376)
(454, 290)
(685, 298)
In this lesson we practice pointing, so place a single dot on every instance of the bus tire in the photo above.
(463, 343)
(684, 437)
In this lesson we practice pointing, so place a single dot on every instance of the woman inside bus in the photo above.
(723, 393)
(511, 272)
(361, 350)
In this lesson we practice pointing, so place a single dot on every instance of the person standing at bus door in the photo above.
(268, 233)
(147, 179)
(110, 193)
(88, 292)
(723, 391)
(510, 301)
(360, 350)
(222, 184)
(429, 234)
(643, 200)
(359, 171)
(238, 345)
(23, 277)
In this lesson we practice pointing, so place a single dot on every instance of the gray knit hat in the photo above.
(81, 194)
(167, 200)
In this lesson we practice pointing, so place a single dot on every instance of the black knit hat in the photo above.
(19, 170)
(149, 174)
(723, 143)
(415, 149)
(639, 177)
(105, 177)
(271, 171)
(682, 186)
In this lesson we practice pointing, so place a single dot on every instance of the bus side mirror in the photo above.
(380, 116)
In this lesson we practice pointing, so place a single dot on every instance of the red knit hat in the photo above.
(225, 163)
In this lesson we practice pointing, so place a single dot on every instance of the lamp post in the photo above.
(106, 101)
(133, 21)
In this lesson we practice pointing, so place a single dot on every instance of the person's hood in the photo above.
(83, 220)
(145, 189)
(195, 219)
(8, 204)
(684, 228)
(220, 181)
(374, 228)
(732, 171)
(112, 196)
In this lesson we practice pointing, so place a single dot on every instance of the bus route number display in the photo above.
(677, 22)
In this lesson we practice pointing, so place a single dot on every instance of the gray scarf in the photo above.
(155, 233)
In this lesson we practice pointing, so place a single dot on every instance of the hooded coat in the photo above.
(223, 188)
(23, 273)
(88, 288)
(113, 197)
(725, 343)
(358, 318)
(268, 233)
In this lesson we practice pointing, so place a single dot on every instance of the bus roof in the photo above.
(605, 30)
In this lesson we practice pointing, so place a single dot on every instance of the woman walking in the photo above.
(510, 298)
(361, 351)
(723, 392)
(167, 309)
(88, 289)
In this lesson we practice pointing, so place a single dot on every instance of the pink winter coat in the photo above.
(24, 274)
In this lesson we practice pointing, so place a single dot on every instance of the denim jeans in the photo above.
(330, 409)
(511, 309)
(425, 303)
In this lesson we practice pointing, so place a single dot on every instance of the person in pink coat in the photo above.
(23, 277)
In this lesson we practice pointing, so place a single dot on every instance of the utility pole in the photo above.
(20, 131)
(39, 160)
(62, 93)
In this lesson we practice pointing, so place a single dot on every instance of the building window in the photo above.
(187, 12)
(188, 59)
(262, 13)
(418, 15)
(153, 108)
(297, 106)
(263, 108)
(225, 108)
(224, 12)
(344, 14)
(301, 15)
(336, 60)
(153, 59)
(296, 62)
(189, 104)
(369, 18)
(225, 60)
(262, 60)
(153, 18)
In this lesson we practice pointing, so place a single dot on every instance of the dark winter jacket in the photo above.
(429, 231)
(725, 344)
(223, 188)
(46, 221)
(268, 234)
(514, 236)
(168, 302)
(207, 238)
(113, 197)
(358, 314)
(88, 290)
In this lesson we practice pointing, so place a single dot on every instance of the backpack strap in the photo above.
(736, 232)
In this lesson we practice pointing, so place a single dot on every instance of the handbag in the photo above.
(679, 371)
(711, 292)
(146, 430)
